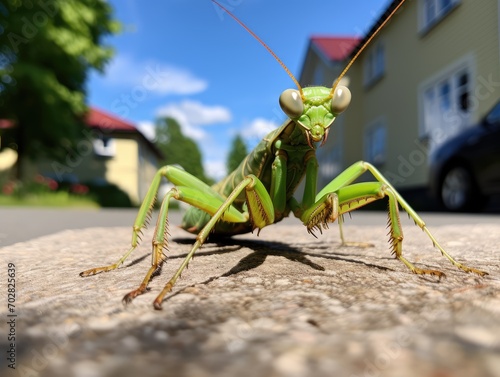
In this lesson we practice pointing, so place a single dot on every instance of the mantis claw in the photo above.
(474, 271)
(129, 297)
(440, 275)
(157, 303)
(96, 270)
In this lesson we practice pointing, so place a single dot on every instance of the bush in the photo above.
(43, 191)
(46, 190)
(38, 186)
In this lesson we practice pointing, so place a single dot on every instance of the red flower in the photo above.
(79, 189)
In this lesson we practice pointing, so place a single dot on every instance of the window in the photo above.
(330, 157)
(374, 64)
(376, 143)
(104, 146)
(330, 165)
(463, 92)
(444, 95)
(432, 11)
(446, 106)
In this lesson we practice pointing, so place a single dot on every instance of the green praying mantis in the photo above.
(260, 192)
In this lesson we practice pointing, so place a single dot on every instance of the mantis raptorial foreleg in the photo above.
(340, 196)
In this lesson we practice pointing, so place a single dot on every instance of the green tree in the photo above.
(179, 149)
(237, 153)
(47, 48)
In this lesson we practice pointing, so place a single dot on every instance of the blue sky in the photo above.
(189, 60)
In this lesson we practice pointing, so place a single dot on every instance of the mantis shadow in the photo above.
(260, 251)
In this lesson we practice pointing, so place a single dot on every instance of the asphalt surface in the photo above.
(23, 224)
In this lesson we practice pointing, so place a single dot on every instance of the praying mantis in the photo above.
(260, 192)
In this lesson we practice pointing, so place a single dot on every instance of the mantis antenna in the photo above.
(263, 44)
(380, 27)
(342, 74)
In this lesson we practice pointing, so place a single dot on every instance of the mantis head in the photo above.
(314, 109)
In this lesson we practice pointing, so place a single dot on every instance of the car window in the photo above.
(494, 116)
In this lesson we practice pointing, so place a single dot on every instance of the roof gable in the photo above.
(100, 119)
(107, 123)
(335, 48)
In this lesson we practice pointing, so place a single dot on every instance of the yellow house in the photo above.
(431, 72)
(111, 151)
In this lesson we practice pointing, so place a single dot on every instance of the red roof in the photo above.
(335, 48)
(94, 118)
(107, 122)
(100, 119)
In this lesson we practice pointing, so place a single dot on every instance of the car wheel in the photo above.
(458, 191)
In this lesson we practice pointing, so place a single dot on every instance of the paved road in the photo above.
(23, 224)
(284, 304)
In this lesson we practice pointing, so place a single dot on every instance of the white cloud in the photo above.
(191, 115)
(258, 128)
(197, 113)
(252, 132)
(153, 76)
(148, 129)
(215, 169)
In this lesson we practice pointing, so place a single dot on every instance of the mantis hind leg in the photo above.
(352, 196)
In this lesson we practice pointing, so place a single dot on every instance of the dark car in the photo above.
(465, 170)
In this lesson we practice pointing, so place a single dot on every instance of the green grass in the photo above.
(49, 199)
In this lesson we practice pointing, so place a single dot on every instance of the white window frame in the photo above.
(431, 126)
(375, 142)
(104, 146)
(433, 11)
(374, 63)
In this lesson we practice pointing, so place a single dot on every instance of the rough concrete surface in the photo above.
(281, 304)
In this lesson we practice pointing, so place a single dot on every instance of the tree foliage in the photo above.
(237, 153)
(47, 48)
(179, 149)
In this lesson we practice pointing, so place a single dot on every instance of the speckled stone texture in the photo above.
(281, 304)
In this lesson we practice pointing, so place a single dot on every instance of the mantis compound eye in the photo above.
(341, 99)
(291, 103)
